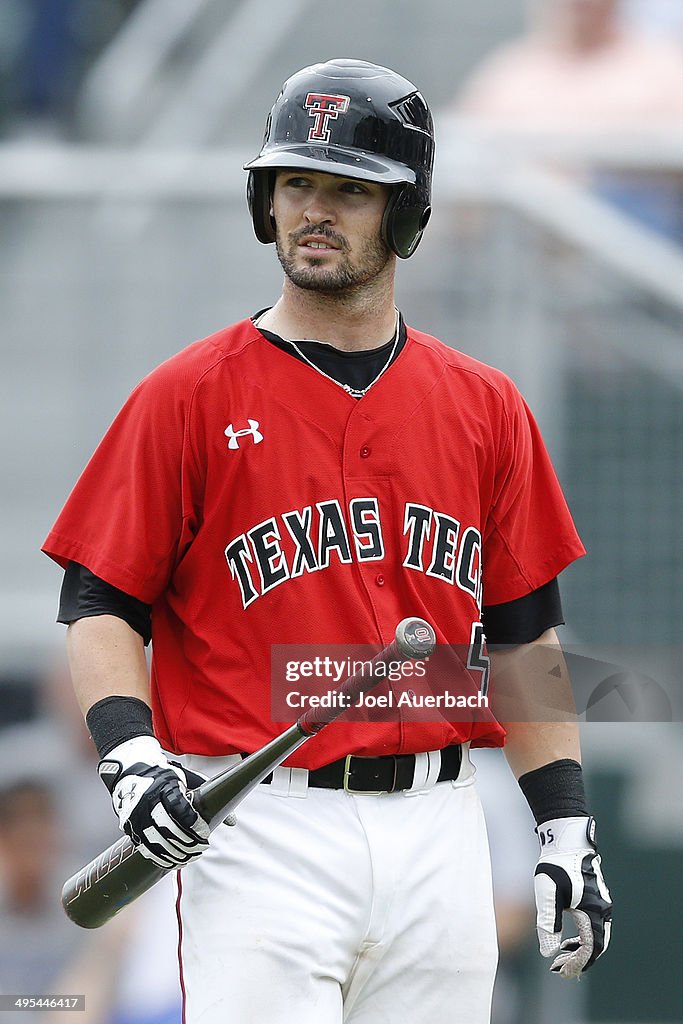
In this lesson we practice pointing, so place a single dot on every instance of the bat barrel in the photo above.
(108, 884)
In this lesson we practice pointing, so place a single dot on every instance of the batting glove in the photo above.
(568, 877)
(149, 796)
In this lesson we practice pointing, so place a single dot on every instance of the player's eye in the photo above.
(296, 181)
(353, 187)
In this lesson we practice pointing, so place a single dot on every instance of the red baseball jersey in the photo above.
(251, 501)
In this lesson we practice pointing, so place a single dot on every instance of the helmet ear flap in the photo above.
(406, 216)
(259, 199)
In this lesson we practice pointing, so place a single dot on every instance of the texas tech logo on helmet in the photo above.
(323, 108)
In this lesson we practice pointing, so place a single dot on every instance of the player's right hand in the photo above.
(569, 878)
(149, 796)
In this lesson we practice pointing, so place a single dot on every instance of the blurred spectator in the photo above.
(45, 47)
(578, 67)
(578, 70)
(36, 939)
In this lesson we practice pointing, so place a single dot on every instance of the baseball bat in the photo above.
(120, 873)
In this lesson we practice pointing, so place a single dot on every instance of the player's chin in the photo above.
(325, 284)
(315, 276)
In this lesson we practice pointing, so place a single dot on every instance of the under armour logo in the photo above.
(233, 434)
(126, 796)
(323, 109)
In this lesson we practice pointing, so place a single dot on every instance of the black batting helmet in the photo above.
(355, 119)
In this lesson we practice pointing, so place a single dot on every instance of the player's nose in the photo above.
(320, 207)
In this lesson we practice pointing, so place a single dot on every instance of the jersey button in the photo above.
(365, 452)
(379, 580)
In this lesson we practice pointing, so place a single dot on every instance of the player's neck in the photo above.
(349, 324)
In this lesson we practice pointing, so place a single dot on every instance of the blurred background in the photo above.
(555, 252)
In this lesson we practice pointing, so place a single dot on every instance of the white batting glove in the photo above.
(568, 877)
(149, 796)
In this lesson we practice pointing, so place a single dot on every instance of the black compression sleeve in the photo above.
(555, 790)
(114, 720)
(523, 620)
(84, 595)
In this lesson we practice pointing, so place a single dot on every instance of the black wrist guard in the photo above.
(555, 790)
(114, 720)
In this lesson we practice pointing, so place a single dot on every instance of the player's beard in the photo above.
(347, 274)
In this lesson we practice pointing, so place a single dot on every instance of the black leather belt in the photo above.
(386, 774)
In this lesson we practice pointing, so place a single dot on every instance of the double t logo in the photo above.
(323, 108)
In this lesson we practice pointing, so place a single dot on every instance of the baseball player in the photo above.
(312, 475)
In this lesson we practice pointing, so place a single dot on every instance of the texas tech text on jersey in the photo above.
(435, 544)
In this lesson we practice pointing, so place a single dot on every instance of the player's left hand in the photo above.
(568, 877)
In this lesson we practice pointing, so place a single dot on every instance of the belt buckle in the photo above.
(360, 792)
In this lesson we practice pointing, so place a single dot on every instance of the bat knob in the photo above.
(415, 638)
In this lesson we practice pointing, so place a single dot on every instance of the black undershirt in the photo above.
(357, 369)
(85, 595)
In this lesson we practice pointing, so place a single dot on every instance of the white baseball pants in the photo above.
(323, 907)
